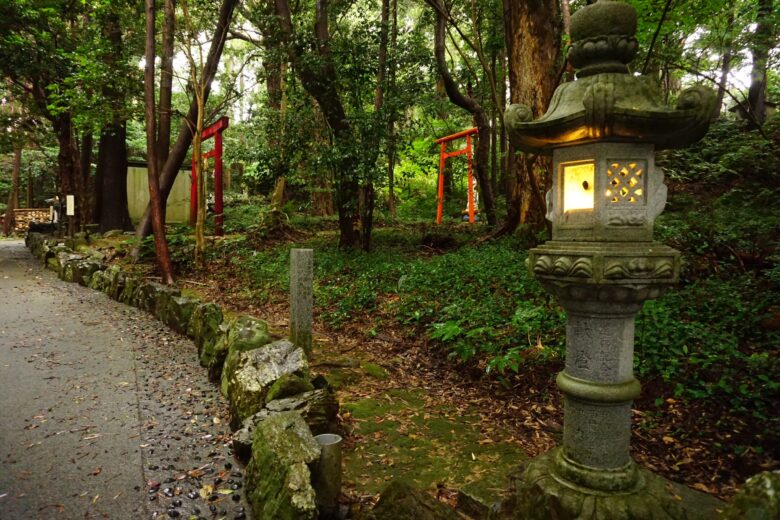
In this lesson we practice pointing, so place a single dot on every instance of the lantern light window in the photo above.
(578, 185)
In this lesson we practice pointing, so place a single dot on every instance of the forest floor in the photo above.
(407, 409)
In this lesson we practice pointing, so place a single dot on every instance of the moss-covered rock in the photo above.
(129, 294)
(63, 259)
(98, 281)
(207, 330)
(401, 501)
(288, 385)
(146, 296)
(759, 499)
(162, 299)
(35, 242)
(318, 408)
(52, 264)
(243, 334)
(277, 477)
(177, 312)
(115, 281)
(85, 270)
(256, 371)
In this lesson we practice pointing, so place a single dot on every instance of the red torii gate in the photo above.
(215, 131)
(443, 156)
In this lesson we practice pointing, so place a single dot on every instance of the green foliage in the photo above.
(476, 300)
(709, 338)
(706, 341)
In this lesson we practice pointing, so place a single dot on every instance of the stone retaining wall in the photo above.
(262, 378)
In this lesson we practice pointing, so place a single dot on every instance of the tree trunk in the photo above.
(759, 47)
(111, 179)
(155, 199)
(85, 166)
(319, 79)
(493, 132)
(13, 195)
(68, 162)
(482, 153)
(533, 31)
(442, 114)
(367, 195)
(391, 206)
(179, 150)
(502, 107)
(725, 70)
(164, 109)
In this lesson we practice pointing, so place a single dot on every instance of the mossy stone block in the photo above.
(319, 409)
(256, 371)
(243, 334)
(278, 480)
(177, 312)
(288, 385)
(759, 499)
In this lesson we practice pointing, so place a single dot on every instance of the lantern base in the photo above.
(540, 494)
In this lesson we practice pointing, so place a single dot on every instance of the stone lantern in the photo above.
(602, 264)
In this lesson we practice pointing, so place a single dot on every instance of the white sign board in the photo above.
(70, 205)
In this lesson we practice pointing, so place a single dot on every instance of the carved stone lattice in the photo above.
(626, 182)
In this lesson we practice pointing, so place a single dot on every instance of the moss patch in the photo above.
(375, 371)
(401, 436)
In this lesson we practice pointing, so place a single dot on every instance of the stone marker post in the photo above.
(602, 131)
(301, 298)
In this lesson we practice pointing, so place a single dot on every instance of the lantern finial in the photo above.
(603, 38)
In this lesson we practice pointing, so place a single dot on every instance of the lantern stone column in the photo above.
(602, 265)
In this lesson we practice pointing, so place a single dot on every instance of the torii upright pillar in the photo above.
(214, 131)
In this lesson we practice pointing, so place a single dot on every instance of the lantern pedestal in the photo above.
(601, 286)
(541, 494)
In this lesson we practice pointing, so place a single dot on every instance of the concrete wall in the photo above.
(138, 194)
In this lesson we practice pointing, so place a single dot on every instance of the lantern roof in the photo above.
(606, 102)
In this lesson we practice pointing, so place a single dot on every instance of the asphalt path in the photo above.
(104, 412)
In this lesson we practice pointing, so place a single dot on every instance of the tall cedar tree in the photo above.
(533, 41)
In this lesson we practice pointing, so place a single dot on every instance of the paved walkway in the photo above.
(104, 412)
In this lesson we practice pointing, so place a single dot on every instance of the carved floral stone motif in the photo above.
(569, 266)
(638, 268)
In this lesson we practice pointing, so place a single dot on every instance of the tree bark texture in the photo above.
(111, 179)
(533, 32)
(179, 149)
(391, 153)
(85, 166)
(482, 153)
(164, 109)
(68, 162)
(110, 204)
(155, 199)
